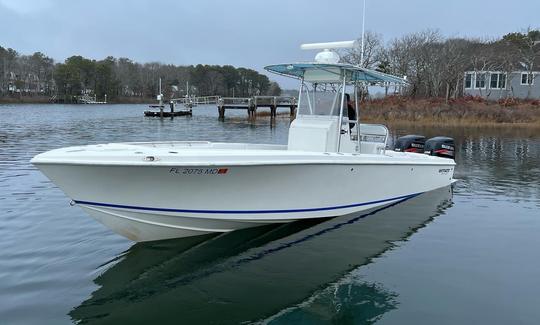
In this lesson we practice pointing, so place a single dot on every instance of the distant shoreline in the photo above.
(46, 100)
(469, 112)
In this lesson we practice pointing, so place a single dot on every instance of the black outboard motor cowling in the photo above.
(440, 147)
(410, 143)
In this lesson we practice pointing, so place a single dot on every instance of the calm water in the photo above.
(470, 254)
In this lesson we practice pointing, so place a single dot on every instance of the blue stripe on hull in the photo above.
(131, 207)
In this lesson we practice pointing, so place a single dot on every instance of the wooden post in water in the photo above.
(293, 107)
(160, 97)
(221, 111)
(273, 108)
(251, 107)
(221, 108)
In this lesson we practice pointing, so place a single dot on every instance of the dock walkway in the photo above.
(250, 104)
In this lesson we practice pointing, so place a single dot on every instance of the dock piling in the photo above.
(221, 108)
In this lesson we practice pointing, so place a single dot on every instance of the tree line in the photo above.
(435, 66)
(121, 78)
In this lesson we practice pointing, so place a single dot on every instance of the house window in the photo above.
(494, 82)
(526, 78)
(497, 80)
(480, 80)
(468, 80)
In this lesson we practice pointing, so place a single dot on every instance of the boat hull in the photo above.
(145, 203)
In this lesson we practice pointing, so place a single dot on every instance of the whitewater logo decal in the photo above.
(198, 171)
(445, 170)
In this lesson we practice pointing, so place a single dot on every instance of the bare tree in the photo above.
(373, 46)
(414, 56)
(453, 62)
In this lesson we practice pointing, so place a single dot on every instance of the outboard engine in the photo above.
(440, 147)
(410, 143)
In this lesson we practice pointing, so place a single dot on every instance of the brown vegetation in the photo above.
(461, 111)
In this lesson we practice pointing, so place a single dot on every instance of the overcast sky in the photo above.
(246, 33)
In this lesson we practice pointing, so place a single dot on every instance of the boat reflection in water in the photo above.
(303, 271)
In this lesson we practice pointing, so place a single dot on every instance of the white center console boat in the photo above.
(331, 166)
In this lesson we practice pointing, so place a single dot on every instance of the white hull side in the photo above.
(149, 202)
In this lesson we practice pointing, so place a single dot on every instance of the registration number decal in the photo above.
(198, 171)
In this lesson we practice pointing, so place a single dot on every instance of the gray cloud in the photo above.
(241, 33)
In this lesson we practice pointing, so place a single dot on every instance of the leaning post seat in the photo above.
(313, 133)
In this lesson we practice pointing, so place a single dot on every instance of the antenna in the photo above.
(328, 56)
(363, 32)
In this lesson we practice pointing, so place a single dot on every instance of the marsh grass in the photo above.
(463, 111)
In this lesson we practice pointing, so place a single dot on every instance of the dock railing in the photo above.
(235, 102)
(277, 101)
(201, 100)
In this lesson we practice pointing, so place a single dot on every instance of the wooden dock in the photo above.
(251, 104)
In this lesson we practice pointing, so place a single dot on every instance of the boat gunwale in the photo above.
(244, 164)
(210, 157)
